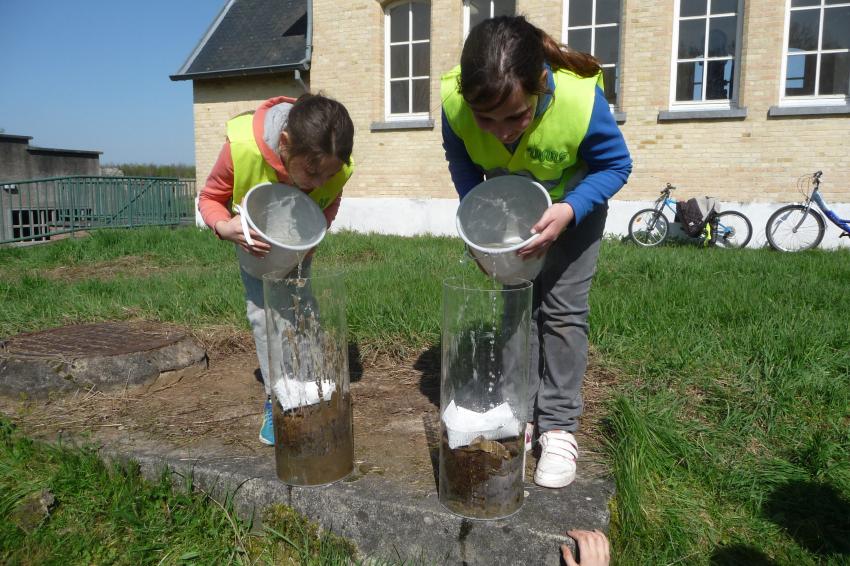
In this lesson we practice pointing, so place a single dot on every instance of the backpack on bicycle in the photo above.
(693, 214)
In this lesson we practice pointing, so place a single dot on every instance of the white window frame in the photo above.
(691, 105)
(565, 38)
(408, 116)
(816, 99)
(467, 15)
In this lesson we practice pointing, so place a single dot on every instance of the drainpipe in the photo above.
(297, 75)
(304, 64)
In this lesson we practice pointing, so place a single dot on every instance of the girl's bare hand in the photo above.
(593, 549)
(554, 221)
(231, 230)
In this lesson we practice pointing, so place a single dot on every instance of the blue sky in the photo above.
(93, 75)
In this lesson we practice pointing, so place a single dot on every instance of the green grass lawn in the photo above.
(107, 514)
(728, 428)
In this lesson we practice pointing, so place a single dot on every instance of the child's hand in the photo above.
(592, 549)
(231, 230)
(554, 221)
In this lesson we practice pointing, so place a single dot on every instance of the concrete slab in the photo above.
(206, 427)
(386, 520)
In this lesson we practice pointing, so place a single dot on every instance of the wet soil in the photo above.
(482, 480)
(314, 445)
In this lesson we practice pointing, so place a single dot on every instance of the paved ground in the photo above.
(205, 422)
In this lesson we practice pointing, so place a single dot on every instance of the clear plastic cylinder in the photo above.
(308, 366)
(483, 396)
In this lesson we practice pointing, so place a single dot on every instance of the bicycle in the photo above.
(649, 227)
(797, 227)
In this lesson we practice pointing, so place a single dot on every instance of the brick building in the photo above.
(731, 98)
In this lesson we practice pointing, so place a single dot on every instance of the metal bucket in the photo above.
(286, 218)
(495, 220)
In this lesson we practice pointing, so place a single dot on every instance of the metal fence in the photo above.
(36, 210)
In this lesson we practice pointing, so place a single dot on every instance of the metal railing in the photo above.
(39, 209)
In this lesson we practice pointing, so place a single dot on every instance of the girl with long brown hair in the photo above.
(520, 103)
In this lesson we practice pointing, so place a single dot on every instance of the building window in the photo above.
(408, 60)
(593, 26)
(707, 43)
(476, 11)
(816, 65)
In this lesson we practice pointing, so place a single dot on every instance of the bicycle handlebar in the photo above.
(667, 189)
(817, 174)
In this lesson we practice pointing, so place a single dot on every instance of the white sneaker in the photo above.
(558, 454)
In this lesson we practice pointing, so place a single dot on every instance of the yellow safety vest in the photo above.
(250, 168)
(547, 150)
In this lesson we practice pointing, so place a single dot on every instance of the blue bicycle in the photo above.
(649, 227)
(798, 227)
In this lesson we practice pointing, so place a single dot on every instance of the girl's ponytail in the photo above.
(562, 57)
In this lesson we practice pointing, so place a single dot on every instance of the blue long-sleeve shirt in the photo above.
(603, 150)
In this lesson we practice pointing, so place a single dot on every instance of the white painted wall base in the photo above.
(411, 217)
(399, 216)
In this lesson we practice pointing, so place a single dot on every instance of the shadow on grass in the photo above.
(739, 554)
(816, 515)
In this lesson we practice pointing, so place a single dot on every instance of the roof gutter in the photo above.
(244, 71)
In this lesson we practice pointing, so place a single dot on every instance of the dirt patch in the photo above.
(223, 340)
(127, 266)
(395, 403)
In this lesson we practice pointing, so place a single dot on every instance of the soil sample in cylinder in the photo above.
(314, 443)
(482, 480)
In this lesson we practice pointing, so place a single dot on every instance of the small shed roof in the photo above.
(10, 138)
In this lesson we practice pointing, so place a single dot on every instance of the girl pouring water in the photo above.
(520, 103)
(306, 143)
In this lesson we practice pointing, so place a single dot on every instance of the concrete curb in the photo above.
(385, 521)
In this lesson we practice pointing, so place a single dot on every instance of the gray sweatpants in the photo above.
(559, 327)
(256, 312)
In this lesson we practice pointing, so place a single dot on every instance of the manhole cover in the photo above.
(102, 339)
(102, 356)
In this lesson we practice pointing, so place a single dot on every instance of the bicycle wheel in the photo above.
(732, 230)
(648, 227)
(793, 229)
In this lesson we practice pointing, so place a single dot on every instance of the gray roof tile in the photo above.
(251, 37)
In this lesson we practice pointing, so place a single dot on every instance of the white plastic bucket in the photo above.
(285, 217)
(495, 220)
